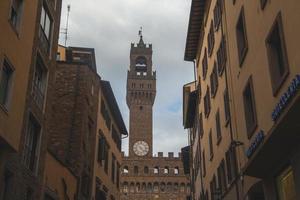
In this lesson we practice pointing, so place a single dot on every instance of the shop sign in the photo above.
(286, 97)
(259, 138)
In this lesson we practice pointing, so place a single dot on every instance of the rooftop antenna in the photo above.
(65, 30)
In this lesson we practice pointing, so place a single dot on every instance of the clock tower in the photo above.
(141, 91)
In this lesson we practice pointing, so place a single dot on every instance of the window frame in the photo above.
(250, 128)
(32, 120)
(19, 13)
(277, 83)
(241, 52)
(5, 63)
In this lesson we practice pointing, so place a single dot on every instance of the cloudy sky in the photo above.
(110, 26)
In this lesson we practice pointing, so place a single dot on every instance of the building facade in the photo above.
(242, 118)
(144, 176)
(86, 127)
(28, 44)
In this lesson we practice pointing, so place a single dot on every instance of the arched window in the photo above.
(125, 170)
(136, 169)
(176, 170)
(175, 187)
(146, 170)
(155, 187)
(137, 187)
(131, 188)
(182, 187)
(149, 187)
(143, 188)
(169, 187)
(162, 187)
(156, 170)
(166, 170)
(125, 187)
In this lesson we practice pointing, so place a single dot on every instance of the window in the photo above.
(204, 64)
(113, 167)
(5, 83)
(103, 149)
(249, 108)
(241, 37)
(278, 63)
(211, 148)
(46, 22)
(156, 170)
(231, 164)
(211, 38)
(226, 106)
(105, 115)
(217, 14)
(8, 185)
(15, 13)
(204, 164)
(125, 170)
(166, 170)
(155, 187)
(207, 102)
(201, 125)
(149, 187)
(116, 137)
(169, 187)
(162, 187)
(221, 177)
(39, 83)
(176, 170)
(221, 56)
(176, 187)
(146, 170)
(214, 81)
(137, 187)
(125, 187)
(218, 127)
(118, 174)
(263, 3)
(32, 140)
(136, 170)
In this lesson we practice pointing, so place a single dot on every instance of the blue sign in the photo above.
(286, 97)
(254, 145)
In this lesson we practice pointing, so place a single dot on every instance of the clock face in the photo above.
(141, 148)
